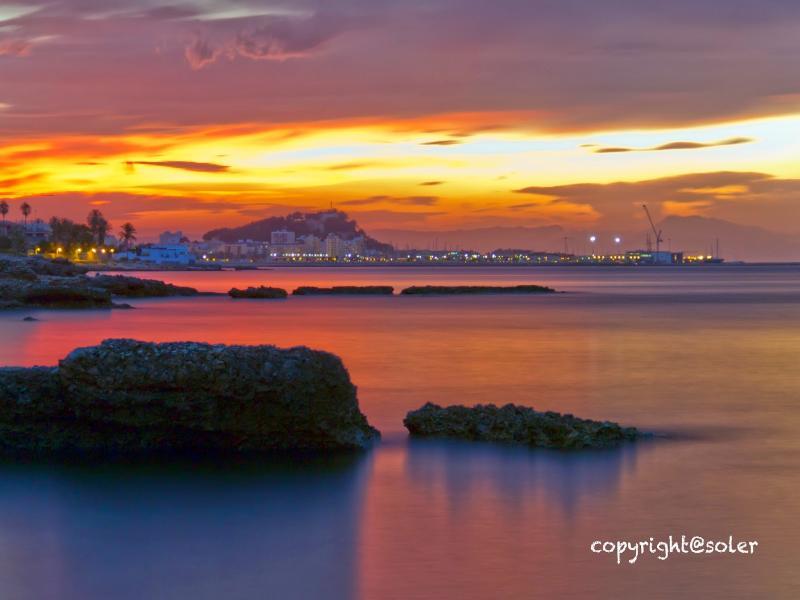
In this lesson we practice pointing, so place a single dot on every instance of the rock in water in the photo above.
(261, 292)
(515, 424)
(344, 290)
(130, 397)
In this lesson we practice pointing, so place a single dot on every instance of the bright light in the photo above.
(593, 238)
(617, 240)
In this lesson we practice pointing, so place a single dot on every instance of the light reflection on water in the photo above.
(709, 355)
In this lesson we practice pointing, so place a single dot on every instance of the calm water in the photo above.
(708, 356)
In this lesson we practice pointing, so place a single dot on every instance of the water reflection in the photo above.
(287, 528)
(518, 475)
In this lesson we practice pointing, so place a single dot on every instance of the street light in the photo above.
(617, 240)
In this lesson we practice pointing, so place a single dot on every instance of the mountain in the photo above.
(484, 239)
(736, 242)
(320, 224)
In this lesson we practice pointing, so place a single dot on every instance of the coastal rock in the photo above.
(260, 293)
(37, 282)
(130, 397)
(57, 294)
(345, 290)
(476, 289)
(517, 425)
(133, 287)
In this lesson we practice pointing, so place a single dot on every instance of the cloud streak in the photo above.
(675, 146)
(406, 201)
(183, 165)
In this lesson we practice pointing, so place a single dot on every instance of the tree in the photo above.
(98, 226)
(69, 236)
(3, 209)
(127, 234)
(26, 210)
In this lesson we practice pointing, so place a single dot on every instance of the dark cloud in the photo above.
(674, 146)
(406, 200)
(577, 65)
(442, 143)
(183, 165)
(432, 183)
(271, 38)
(747, 197)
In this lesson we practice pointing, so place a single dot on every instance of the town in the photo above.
(94, 242)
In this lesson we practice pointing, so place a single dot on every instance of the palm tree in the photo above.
(98, 225)
(3, 209)
(127, 234)
(26, 210)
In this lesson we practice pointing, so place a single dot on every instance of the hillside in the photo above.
(320, 224)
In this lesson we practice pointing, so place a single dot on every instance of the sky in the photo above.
(416, 114)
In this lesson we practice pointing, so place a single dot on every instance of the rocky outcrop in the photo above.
(516, 424)
(130, 397)
(38, 282)
(344, 290)
(133, 287)
(259, 293)
(476, 289)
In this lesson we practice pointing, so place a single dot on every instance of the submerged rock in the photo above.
(130, 397)
(369, 290)
(515, 424)
(476, 289)
(260, 292)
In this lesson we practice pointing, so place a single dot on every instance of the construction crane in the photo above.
(659, 239)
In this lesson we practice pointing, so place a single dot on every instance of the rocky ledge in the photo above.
(517, 425)
(476, 289)
(133, 287)
(38, 282)
(126, 397)
(261, 292)
(345, 290)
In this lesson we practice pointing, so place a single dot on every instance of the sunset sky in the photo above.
(413, 114)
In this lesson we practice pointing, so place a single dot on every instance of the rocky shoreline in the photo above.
(36, 282)
(126, 397)
(516, 425)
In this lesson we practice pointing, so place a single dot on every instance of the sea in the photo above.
(706, 358)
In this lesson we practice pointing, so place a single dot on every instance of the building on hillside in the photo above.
(282, 237)
(311, 244)
(334, 246)
(169, 238)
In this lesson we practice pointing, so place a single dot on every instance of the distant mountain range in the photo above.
(692, 234)
(319, 223)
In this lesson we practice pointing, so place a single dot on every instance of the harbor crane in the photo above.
(659, 239)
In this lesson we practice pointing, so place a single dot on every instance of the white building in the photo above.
(168, 238)
(311, 244)
(282, 237)
(335, 246)
(165, 254)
